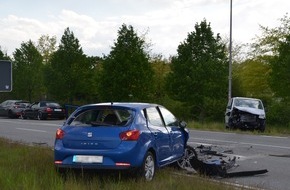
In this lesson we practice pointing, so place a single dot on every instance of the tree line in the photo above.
(193, 83)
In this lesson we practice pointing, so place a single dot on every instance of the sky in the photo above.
(165, 23)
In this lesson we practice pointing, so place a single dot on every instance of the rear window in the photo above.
(103, 117)
(51, 104)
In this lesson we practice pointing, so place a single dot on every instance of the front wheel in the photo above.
(148, 167)
(184, 162)
(40, 116)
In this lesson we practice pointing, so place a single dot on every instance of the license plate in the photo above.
(57, 109)
(87, 159)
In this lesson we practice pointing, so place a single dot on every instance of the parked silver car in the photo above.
(13, 108)
(245, 113)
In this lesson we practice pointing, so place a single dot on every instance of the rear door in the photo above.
(31, 111)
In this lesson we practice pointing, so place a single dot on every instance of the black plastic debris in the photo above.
(210, 162)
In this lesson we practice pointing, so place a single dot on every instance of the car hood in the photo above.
(251, 110)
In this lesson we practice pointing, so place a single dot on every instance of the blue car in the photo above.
(121, 136)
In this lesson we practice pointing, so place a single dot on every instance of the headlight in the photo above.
(262, 116)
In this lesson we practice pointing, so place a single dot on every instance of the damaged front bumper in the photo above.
(243, 119)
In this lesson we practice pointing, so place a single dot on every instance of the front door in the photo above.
(161, 135)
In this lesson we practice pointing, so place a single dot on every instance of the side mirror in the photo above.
(182, 124)
(228, 113)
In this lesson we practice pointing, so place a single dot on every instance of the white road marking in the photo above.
(34, 130)
(244, 143)
(32, 123)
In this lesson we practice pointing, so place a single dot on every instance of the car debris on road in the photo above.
(209, 162)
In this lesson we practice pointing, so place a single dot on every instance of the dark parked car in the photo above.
(43, 110)
(245, 113)
(12, 108)
(138, 137)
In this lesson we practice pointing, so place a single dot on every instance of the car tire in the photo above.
(262, 126)
(10, 114)
(147, 170)
(184, 162)
(39, 116)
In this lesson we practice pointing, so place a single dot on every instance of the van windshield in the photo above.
(248, 103)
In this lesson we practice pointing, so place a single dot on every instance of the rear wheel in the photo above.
(40, 116)
(148, 167)
(10, 114)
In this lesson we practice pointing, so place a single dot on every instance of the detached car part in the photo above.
(208, 162)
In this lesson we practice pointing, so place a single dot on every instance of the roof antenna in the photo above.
(111, 103)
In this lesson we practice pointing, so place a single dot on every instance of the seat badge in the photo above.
(90, 134)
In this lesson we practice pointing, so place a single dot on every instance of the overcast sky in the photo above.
(167, 22)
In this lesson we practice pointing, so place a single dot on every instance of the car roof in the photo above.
(134, 105)
(246, 98)
(46, 101)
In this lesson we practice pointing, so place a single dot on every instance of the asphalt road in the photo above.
(253, 152)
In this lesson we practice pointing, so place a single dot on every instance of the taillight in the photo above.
(49, 109)
(59, 134)
(131, 135)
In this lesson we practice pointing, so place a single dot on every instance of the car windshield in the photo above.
(248, 103)
(103, 117)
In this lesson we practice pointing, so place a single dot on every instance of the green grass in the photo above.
(25, 167)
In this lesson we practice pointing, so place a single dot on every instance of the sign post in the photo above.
(5, 76)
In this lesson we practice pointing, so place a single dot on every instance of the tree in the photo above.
(269, 42)
(126, 73)
(161, 68)
(69, 74)
(27, 72)
(46, 46)
(199, 73)
(3, 55)
(280, 78)
(253, 77)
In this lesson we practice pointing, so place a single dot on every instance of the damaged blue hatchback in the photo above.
(120, 136)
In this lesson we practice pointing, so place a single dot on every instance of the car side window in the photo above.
(169, 118)
(154, 117)
(34, 106)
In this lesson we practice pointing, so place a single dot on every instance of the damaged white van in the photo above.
(245, 113)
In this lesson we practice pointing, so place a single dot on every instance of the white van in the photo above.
(245, 113)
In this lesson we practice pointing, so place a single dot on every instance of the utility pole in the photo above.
(230, 57)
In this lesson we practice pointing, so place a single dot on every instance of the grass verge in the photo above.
(31, 168)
